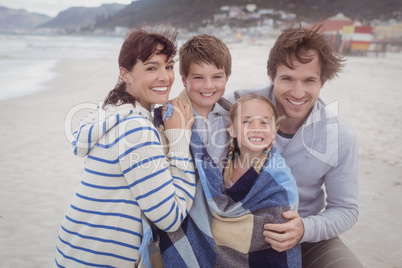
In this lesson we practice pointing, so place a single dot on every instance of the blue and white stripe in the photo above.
(126, 176)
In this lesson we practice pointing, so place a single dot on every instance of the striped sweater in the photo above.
(126, 176)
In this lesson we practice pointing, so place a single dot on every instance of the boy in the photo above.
(205, 66)
(319, 148)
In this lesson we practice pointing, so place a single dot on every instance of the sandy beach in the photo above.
(40, 174)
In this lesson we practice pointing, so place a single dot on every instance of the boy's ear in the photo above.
(183, 79)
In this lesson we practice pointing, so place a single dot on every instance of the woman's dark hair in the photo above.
(139, 45)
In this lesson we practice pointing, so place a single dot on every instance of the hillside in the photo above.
(78, 17)
(191, 13)
(18, 19)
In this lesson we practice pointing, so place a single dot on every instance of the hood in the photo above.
(94, 125)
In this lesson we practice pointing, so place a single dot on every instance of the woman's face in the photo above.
(150, 82)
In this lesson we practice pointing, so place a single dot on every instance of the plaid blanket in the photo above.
(224, 228)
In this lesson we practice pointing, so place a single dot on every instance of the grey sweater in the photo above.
(323, 157)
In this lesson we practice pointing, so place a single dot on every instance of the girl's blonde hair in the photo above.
(233, 146)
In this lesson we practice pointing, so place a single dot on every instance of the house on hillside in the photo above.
(347, 37)
(335, 24)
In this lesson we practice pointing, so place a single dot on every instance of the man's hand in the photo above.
(284, 236)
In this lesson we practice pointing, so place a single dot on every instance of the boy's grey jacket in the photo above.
(323, 157)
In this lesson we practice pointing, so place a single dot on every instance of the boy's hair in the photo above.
(206, 49)
(295, 43)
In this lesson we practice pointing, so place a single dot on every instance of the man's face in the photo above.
(297, 90)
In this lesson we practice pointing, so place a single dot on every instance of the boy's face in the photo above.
(205, 85)
(296, 90)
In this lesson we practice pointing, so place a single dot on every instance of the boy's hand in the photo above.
(182, 116)
(285, 236)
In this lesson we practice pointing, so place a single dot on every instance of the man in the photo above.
(318, 146)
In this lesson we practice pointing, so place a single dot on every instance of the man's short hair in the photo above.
(296, 43)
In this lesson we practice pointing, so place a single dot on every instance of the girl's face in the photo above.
(253, 126)
(150, 82)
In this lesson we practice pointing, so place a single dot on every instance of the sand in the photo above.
(39, 173)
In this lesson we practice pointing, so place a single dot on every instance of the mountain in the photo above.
(192, 13)
(20, 19)
(78, 17)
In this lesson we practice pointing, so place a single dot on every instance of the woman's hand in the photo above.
(182, 116)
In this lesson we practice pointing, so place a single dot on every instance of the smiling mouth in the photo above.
(297, 103)
(254, 139)
(207, 94)
(159, 89)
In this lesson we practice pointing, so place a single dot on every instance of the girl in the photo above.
(255, 121)
(126, 173)
(258, 187)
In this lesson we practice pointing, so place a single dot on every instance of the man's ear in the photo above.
(271, 79)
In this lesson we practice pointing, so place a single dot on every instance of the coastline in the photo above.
(40, 174)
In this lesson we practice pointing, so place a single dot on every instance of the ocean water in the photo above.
(27, 60)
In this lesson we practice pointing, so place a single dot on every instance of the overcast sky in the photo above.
(53, 7)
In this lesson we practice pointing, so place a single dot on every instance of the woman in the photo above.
(126, 173)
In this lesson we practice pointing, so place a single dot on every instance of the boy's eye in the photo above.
(151, 69)
(217, 77)
(169, 67)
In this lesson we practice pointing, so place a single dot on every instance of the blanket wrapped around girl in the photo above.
(225, 224)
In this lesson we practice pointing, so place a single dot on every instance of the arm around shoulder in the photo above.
(164, 187)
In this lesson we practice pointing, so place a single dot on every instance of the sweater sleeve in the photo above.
(341, 211)
(163, 186)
